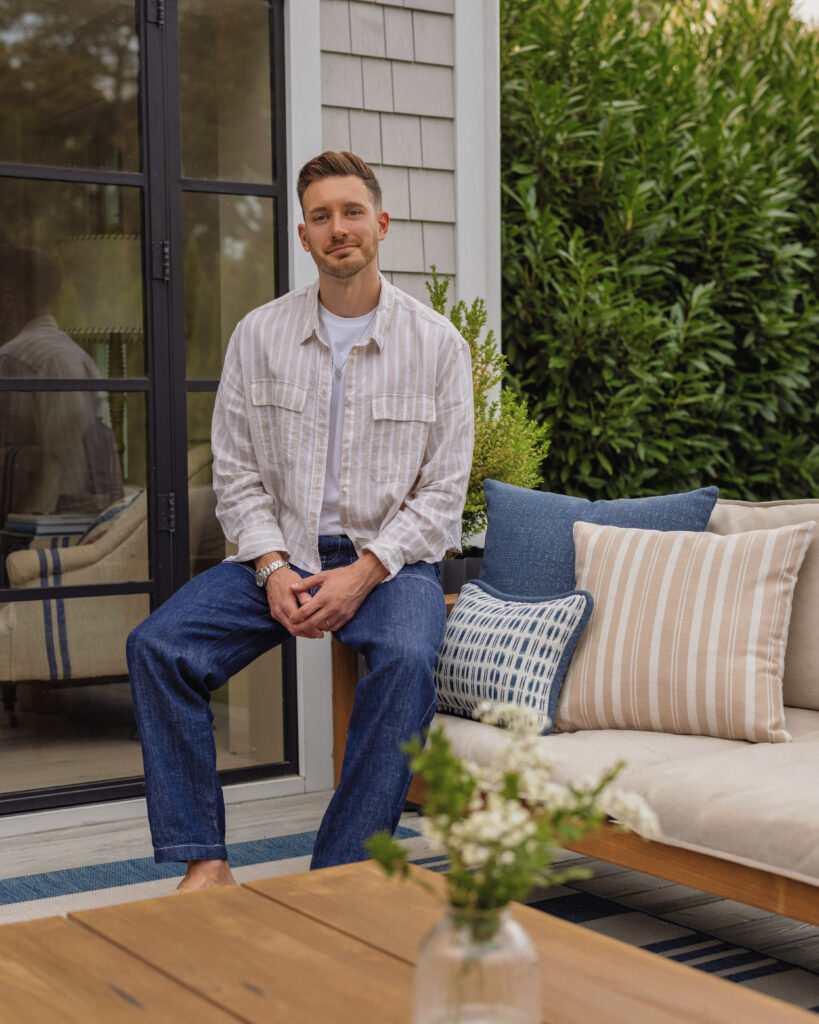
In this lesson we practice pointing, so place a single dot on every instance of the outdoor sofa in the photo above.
(738, 818)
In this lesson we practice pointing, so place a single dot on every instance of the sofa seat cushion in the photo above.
(759, 803)
(754, 802)
(590, 752)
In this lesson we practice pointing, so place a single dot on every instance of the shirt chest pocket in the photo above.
(399, 435)
(278, 412)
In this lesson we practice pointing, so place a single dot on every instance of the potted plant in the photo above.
(509, 446)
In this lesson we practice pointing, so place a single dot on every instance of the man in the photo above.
(77, 469)
(342, 438)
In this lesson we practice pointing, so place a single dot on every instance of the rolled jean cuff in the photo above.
(190, 851)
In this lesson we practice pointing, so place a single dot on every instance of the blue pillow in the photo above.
(529, 547)
(500, 648)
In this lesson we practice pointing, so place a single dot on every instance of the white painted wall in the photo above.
(412, 86)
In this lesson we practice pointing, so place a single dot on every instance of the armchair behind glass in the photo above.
(82, 641)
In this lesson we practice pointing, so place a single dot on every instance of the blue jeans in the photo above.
(216, 625)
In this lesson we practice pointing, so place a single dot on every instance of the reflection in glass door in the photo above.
(130, 242)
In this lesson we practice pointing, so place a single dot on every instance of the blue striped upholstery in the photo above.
(501, 648)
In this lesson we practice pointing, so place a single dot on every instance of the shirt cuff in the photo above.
(259, 541)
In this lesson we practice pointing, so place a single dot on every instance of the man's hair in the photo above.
(331, 164)
(32, 274)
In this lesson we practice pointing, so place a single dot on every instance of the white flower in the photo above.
(630, 810)
(518, 720)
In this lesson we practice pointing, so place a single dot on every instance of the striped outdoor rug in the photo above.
(99, 885)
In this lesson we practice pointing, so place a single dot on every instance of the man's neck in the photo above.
(349, 297)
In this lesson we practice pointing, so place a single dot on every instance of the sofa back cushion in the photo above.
(688, 632)
(800, 684)
(529, 548)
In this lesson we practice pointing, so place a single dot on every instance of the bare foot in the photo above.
(206, 874)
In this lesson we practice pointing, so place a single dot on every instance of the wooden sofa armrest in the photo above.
(345, 680)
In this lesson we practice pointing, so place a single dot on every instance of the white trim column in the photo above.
(477, 154)
(302, 31)
(303, 70)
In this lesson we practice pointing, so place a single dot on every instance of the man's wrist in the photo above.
(372, 568)
(267, 566)
(272, 556)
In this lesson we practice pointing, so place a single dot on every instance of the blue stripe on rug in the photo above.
(68, 881)
(580, 907)
(712, 955)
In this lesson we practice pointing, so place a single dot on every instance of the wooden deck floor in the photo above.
(105, 842)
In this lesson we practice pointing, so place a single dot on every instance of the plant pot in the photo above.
(477, 967)
(456, 571)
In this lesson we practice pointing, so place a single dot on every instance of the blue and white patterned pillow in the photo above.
(513, 650)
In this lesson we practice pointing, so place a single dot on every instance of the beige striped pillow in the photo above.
(688, 631)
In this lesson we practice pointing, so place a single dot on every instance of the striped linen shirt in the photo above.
(406, 441)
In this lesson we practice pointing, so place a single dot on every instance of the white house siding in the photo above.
(388, 94)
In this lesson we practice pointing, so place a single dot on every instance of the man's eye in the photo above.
(354, 213)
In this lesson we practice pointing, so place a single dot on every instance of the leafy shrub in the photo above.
(660, 228)
(509, 446)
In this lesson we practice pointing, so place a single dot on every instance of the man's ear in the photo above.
(303, 238)
(383, 224)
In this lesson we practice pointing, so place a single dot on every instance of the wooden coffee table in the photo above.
(330, 947)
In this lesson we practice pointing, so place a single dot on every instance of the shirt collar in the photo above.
(379, 332)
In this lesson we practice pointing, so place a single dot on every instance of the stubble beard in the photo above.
(346, 268)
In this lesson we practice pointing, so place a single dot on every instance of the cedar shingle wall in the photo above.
(387, 93)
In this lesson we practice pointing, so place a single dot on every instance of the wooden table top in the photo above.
(328, 947)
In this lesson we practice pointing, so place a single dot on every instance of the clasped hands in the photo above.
(340, 594)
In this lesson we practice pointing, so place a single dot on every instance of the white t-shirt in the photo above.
(342, 334)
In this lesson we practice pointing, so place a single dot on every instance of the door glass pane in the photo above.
(69, 88)
(67, 716)
(73, 508)
(70, 280)
(229, 270)
(248, 712)
(224, 61)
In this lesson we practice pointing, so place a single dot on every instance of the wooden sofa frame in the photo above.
(757, 887)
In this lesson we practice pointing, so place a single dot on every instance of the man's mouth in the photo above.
(346, 247)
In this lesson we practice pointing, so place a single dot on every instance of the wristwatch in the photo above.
(268, 570)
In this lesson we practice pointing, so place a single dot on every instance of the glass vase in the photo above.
(477, 967)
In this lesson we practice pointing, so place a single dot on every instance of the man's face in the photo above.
(342, 227)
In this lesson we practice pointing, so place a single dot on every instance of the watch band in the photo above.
(268, 570)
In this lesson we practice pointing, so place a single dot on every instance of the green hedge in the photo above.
(660, 229)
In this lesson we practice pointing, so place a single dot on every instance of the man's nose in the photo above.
(337, 226)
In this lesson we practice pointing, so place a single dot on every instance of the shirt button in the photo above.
(344, 490)
(346, 447)
(349, 400)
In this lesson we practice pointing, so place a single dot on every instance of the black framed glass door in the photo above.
(142, 193)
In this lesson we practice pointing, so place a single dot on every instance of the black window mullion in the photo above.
(279, 134)
(177, 420)
(81, 176)
(231, 188)
(74, 384)
(56, 593)
(158, 41)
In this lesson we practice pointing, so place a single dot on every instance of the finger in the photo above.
(308, 631)
(300, 586)
(310, 607)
